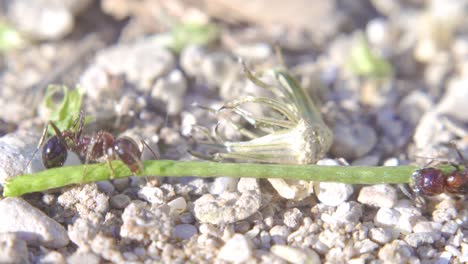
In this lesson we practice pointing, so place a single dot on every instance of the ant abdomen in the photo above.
(54, 153)
(129, 153)
(457, 182)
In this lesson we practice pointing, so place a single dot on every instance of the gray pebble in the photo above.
(453, 102)
(331, 193)
(381, 195)
(187, 218)
(121, 184)
(105, 186)
(119, 201)
(13, 249)
(353, 140)
(184, 231)
(32, 225)
(236, 250)
(170, 89)
(15, 152)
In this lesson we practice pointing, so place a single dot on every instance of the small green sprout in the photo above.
(184, 34)
(10, 38)
(365, 62)
(63, 113)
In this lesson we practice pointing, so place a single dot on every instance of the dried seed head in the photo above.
(297, 135)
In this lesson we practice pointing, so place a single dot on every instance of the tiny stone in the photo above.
(387, 217)
(236, 250)
(333, 194)
(296, 255)
(184, 231)
(247, 184)
(178, 205)
(366, 246)
(52, 257)
(83, 257)
(187, 218)
(12, 249)
(349, 212)
(121, 184)
(450, 227)
(153, 195)
(227, 208)
(105, 186)
(279, 234)
(32, 225)
(223, 184)
(381, 235)
(353, 141)
(381, 195)
(119, 201)
(292, 218)
(415, 240)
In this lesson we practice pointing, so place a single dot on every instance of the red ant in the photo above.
(431, 181)
(101, 145)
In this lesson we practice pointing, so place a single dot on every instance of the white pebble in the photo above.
(382, 235)
(381, 195)
(236, 250)
(153, 195)
(33, 226)
(333, 194)
(178, 205)
(12, 249)
(387, 217)
(296, 255)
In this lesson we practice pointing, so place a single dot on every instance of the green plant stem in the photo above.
(60, 177)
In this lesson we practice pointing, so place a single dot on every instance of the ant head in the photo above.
(54, 152)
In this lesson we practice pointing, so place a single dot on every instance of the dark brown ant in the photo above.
(430, 181)
(100, 146)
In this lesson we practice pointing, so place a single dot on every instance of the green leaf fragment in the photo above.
(365, 62)
(10, 38)
(64, 113)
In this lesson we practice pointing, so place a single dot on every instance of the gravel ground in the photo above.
(136, 86)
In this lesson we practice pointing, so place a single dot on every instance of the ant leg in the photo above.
(109, 163)
(80, 122)
(143, 142)
(108, 158)
(89, 153)
(41, 141)
(453, 145)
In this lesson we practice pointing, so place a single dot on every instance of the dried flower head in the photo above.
(293, 132)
